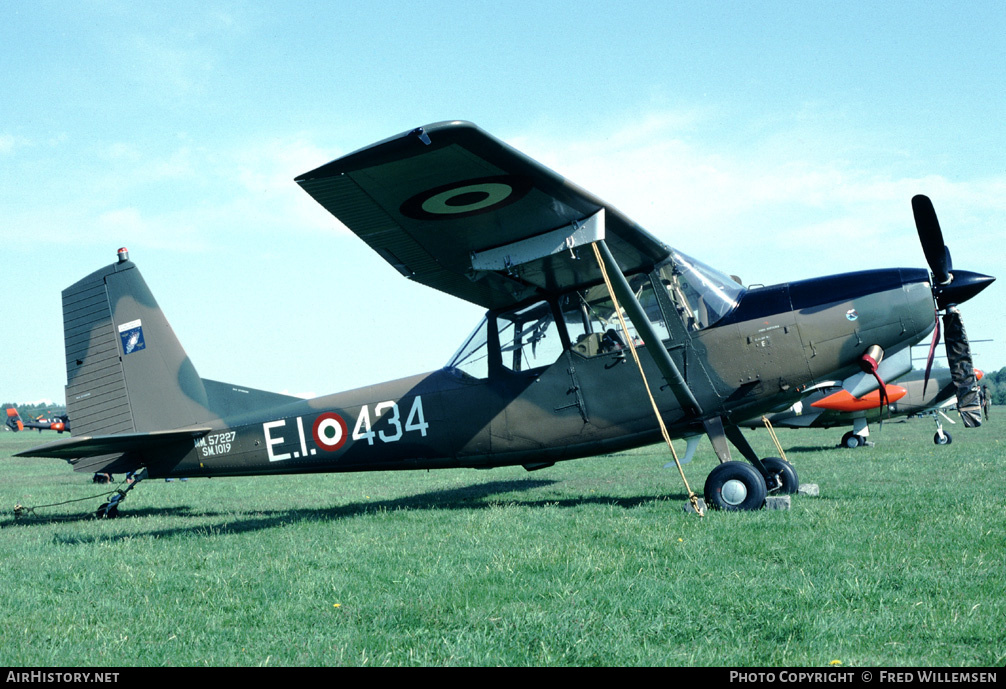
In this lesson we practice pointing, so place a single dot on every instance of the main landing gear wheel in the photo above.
(944, 439)
(735, 486)
(851, 440)
(786, 471)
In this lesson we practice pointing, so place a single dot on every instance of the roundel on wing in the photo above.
(466, 198)
(330, 432)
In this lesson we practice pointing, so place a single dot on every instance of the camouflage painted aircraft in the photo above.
(544, 377)
(911, 395)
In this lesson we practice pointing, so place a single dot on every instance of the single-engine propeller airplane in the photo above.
(544, 377)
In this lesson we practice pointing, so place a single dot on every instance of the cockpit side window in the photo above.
(701, 295)
(528, 337)
(593, 324)
(520, 340)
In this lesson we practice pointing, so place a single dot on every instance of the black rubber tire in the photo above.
(851, 440)
(745, 488)
(945, 440)
(790, 481)
(112, 513)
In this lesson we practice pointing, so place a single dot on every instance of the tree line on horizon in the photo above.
(33, 411)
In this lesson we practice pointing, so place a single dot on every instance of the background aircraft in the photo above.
(57, 423)
(546, 376)
(910, 395)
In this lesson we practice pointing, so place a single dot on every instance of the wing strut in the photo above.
(660, 356)
(635, 311)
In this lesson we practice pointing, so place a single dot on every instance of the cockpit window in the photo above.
(701, 295)
(528, 337)
(593, 324)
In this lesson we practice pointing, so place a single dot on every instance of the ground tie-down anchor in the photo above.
(110, 509)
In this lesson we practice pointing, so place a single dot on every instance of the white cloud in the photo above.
(759, 206)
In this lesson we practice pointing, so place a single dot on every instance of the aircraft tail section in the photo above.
(14, 420)
(126, 371)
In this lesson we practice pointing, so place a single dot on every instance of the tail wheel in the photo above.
(106, 512)
(786, 471)
(735, 486)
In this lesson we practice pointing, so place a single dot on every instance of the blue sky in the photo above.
(773, 140)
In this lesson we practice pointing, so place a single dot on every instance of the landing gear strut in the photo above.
(735, 486)
(941, 437)
(110, 509)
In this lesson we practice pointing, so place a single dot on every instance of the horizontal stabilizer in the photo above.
(87, 446)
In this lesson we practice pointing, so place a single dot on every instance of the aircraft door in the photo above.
(534, 372)
(607, 381)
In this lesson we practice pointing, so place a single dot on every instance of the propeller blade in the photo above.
(949, 290)
(962, 368)
(931, 237)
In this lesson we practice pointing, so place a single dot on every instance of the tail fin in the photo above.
(125, 370)
(14, 420)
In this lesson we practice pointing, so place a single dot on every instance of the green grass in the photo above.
(591, 562)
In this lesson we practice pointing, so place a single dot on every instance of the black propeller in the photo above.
(937, 253)
(951, 288)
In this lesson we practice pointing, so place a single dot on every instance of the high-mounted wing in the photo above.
(452, 207)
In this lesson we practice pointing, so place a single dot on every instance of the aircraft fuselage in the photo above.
(778, 341)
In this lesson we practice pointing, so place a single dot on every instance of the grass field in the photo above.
(900, 561)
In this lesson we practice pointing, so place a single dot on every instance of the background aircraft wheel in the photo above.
(790, 481)
(735, 486)
(945, 439)
(103, 512)
(851, 440)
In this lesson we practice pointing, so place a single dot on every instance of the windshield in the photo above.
(701, 294)
(472, 358)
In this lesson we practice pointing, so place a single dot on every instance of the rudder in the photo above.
(126, 371)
